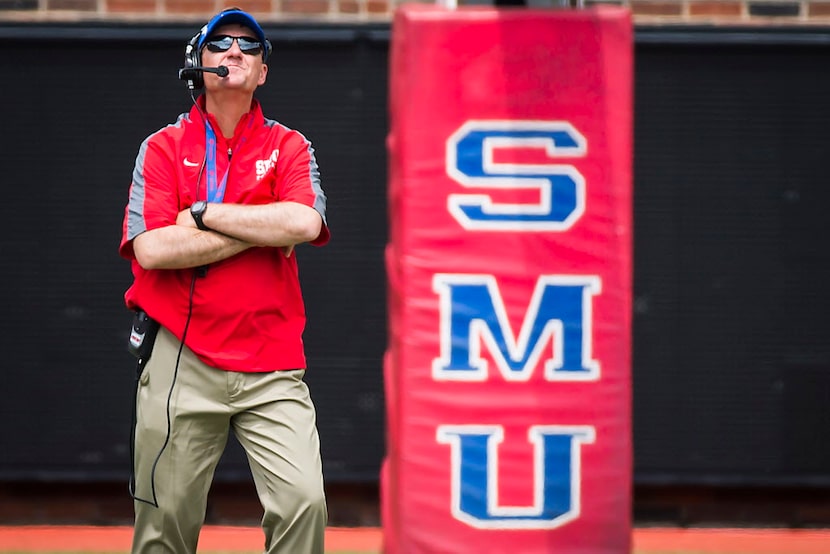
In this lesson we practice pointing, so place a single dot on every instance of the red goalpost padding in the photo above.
(509, 261)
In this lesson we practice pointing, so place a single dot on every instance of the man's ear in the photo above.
(262, 75)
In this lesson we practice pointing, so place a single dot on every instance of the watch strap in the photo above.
(196, 211)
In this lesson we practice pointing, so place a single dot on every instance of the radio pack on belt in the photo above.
(142, 336)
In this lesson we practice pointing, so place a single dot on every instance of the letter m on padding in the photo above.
(556, 331)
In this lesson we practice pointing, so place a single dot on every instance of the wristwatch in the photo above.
(197, 210)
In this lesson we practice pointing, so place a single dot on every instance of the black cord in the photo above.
(199, 272)
(154, 502)
(139, 369)
(204, 159)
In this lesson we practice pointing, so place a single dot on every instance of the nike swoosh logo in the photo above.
(188, 163)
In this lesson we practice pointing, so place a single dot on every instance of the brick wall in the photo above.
(753, 12)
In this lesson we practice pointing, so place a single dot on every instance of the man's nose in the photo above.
(235, 49)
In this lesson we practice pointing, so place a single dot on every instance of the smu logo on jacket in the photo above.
(266, 165)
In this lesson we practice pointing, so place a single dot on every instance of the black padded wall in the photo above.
(731, 357)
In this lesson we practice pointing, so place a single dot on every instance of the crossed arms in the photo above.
(234, 228)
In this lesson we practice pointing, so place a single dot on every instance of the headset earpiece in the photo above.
(192, 58)
(267, 50)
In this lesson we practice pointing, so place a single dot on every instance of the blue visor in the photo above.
(235, 16)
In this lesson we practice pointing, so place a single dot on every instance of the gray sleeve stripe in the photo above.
(135, 209)
(136, 224)
(314, 176)
(313, 171)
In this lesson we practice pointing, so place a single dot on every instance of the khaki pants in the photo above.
(273, 418)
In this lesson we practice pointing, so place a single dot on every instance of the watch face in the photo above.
(196, 210)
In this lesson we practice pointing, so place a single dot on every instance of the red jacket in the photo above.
(248, 312)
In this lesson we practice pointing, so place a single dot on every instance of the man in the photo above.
(217, 203)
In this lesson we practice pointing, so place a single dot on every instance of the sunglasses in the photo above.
(223, 43)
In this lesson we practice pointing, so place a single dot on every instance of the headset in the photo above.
(192, 59)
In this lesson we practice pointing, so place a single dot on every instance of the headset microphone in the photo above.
(191, 73)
